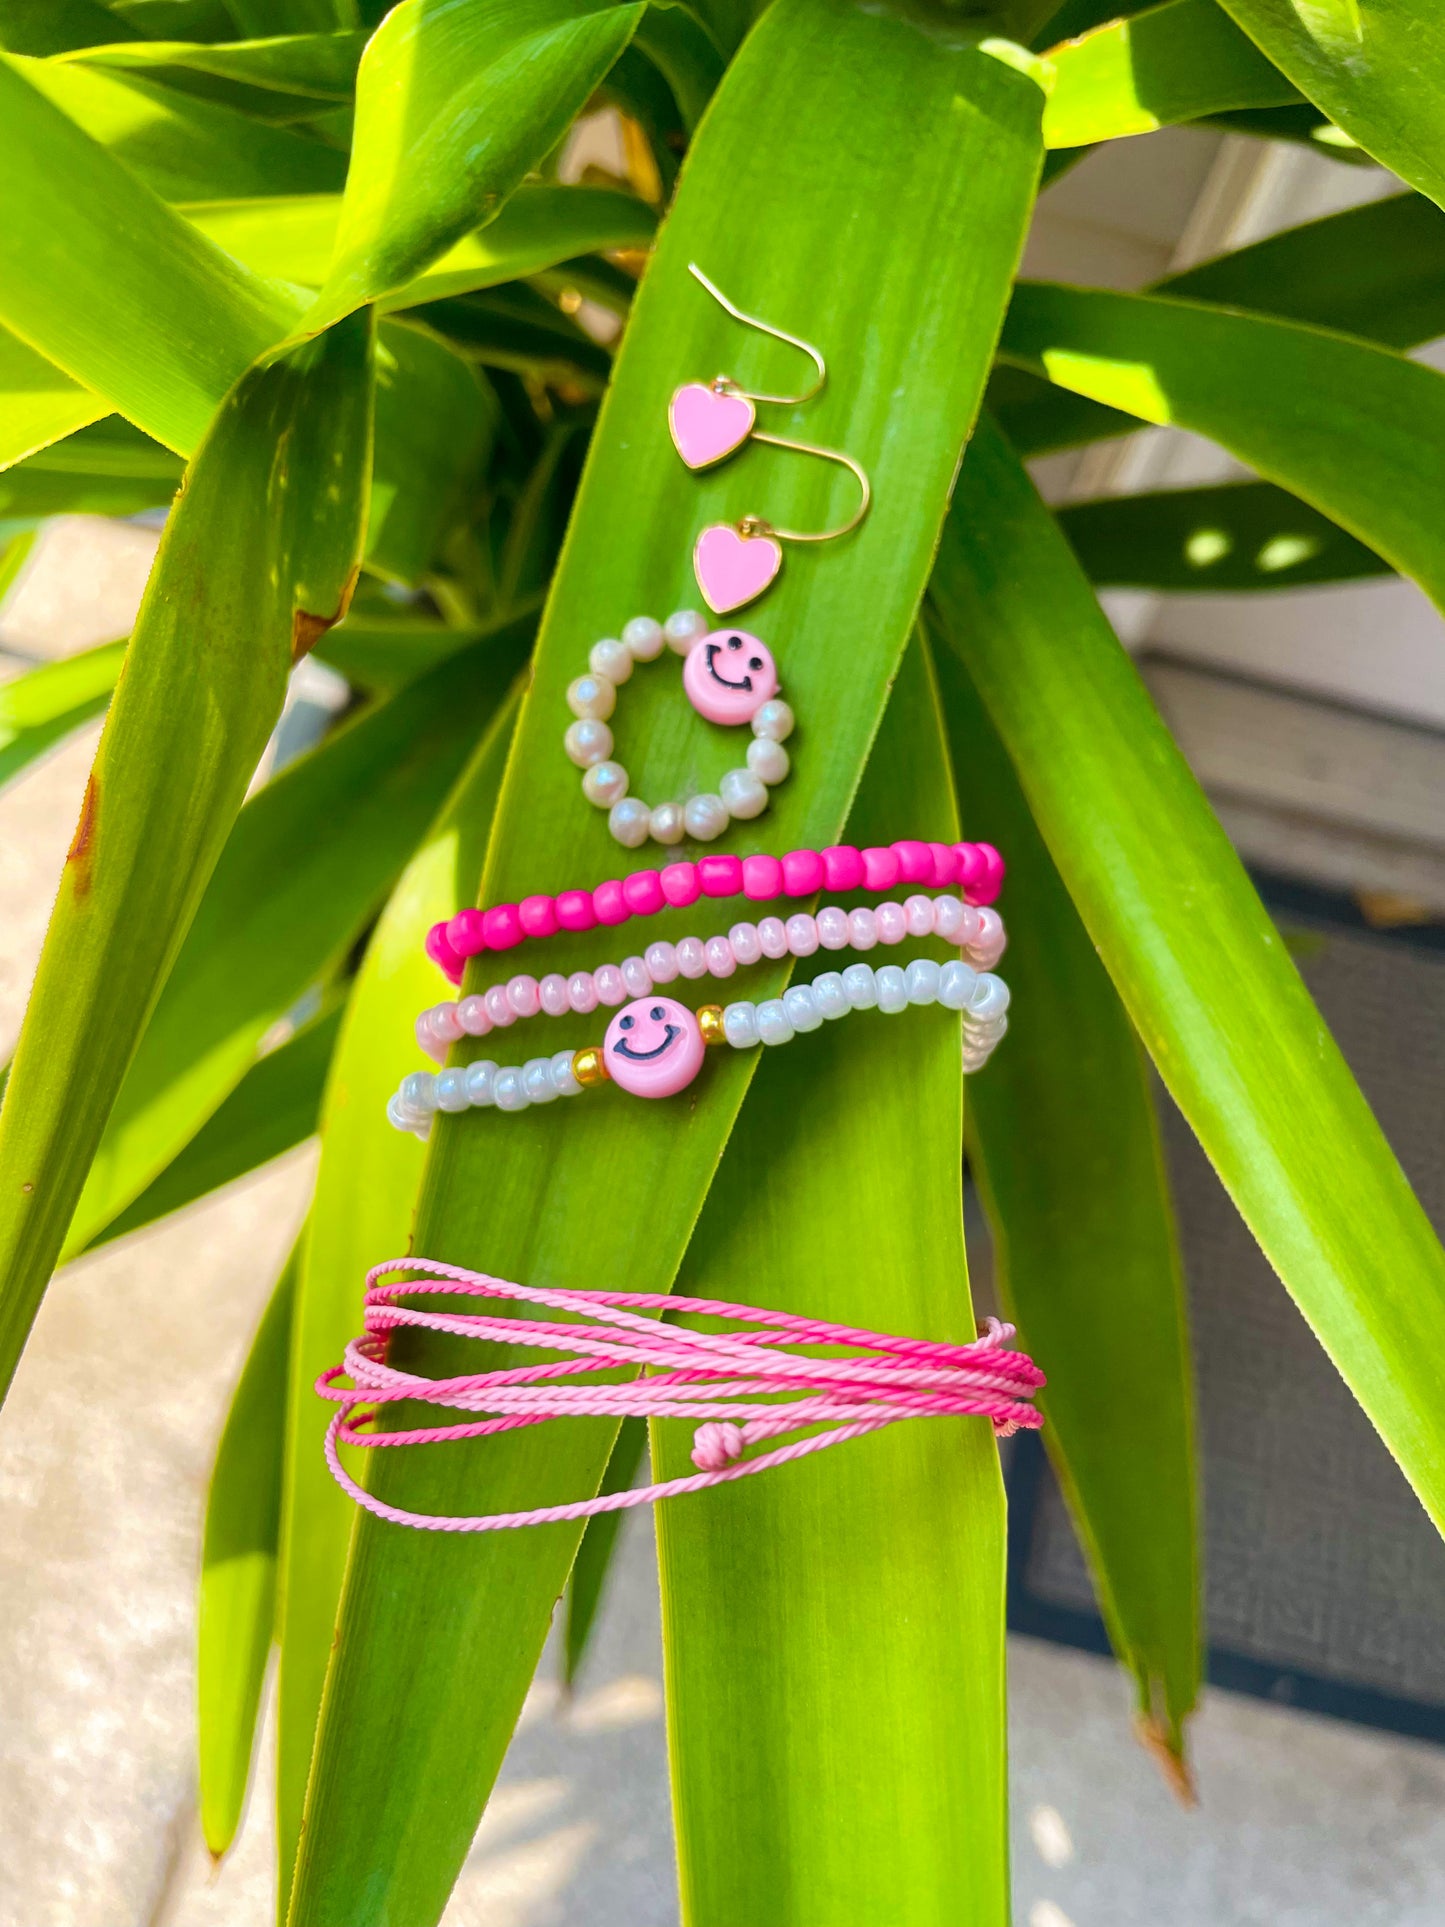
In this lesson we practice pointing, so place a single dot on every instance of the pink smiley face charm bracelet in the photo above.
(729, 677)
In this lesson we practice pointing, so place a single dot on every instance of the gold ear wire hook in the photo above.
(725, 382)
(755, 525)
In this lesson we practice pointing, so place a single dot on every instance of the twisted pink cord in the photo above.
(740, 1389)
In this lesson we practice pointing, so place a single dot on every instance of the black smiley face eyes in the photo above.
(736, 642)
(624, 1023)
(657, 1013)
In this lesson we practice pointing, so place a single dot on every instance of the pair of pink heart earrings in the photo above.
(735, 561)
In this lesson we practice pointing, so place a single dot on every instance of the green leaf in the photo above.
(588, 1577)
(54, 26)
(1376, 271)
(292, 16)
(273, 1108)
(1064, 1144)
(1201, 970)
(1236, 536)
(309, 861)
(33, 491)
(1355, 430)
(257, 557)
(365, 1197)
(1041, 419)
(381, 657)
(804, 132)
(453, 105)
(1175, 62)
(106, 281)
(42, 707)
(38, 404)
(320, 65)
(1305, 125)
(1377, 71)
(852, 1606)
(676, 43)
(238, 1571)
(518, 329)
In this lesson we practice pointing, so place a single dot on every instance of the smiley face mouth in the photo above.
(710, 656)
(624, 1049)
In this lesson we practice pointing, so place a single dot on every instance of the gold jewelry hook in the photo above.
(725, 382)
(757, 526)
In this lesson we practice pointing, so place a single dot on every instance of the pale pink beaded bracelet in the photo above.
(979, 934)
(976, 869)
(742, 1387)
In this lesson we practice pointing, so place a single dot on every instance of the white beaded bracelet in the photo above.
(729, 677)
(655, 1047)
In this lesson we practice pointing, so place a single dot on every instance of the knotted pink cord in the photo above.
(739, 1382)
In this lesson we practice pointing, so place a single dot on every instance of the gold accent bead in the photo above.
(710, 1023)
(590, 1067)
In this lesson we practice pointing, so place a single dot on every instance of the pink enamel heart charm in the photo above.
(707, 425)
(731, 568)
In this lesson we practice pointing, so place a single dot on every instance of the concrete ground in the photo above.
(105, 1448)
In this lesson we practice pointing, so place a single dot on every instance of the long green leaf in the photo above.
(1065, 1145)
(38, 404)
(261, 17)
(274, 1107)
(453, 105)
(1236, 536)
(257, 558)
(1377, 70)
(55, 26)
(1200, 968)
(588, 1577)
(1175, 62)
(366, 1189)
(42, 707)
(310, 859)
(1355, 430)
(322, 65)
(804, 132)
(238, 1571)
(841, 1621)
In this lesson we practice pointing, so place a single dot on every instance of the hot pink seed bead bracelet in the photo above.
(979, 934)
(743, 1387)
(976, 869)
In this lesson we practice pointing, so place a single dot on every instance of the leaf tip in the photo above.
(1163, 1741)
(308, 629)
(80, 853)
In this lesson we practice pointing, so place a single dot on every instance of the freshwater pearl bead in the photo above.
(747, 947)
(554, 994)
(636, 979)
(661, 961)
(629, 822)
(740, 1025)
(720, 959)
(859, 983)
(862, 929)
(611, 990)
(525, 996)
(773, 722)
(419, 1091)
(643, 638)
(582, 992)
(666, 823)
(920, 981)
(773, 1024)
(451, 1090)
(498, 1009)
(830, 996)
(743, 792)
(480, 1079)
(956, 983)
(892, 923)
(587, 742)
(833, 928)
(611, 659)
(563, 1081)
(802, 934)
(705, 817)
(773, 936)
(948, 918)
(591, 697)
(537, 1080)
(802, 1008)
(990, 999)
(605, 784)
(692, 957)
(683, 629)
(473, 1017)
(892, 989)
(768, 761)
(508, 1091)
(918, 914)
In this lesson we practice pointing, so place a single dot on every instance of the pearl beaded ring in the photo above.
(729, 677)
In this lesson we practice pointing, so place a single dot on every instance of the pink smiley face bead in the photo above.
(653, 1048)
(729, 675)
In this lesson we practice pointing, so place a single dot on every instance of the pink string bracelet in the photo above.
(979, 934)
(743, 1387)
(976, 869)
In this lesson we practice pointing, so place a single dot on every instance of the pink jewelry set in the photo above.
(744, 1387)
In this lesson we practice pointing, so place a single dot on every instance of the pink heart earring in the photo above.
(735, 561)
